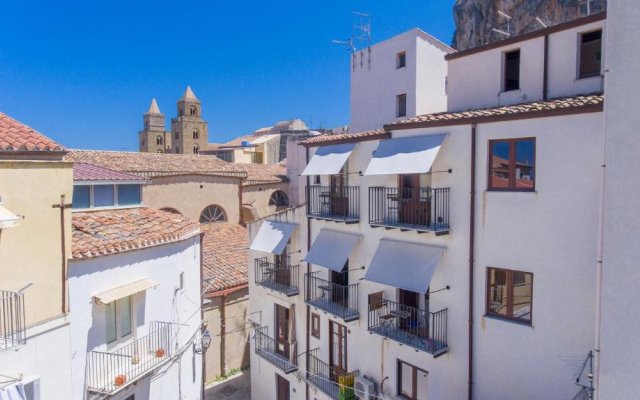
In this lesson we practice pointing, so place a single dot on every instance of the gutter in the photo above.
(472, 204)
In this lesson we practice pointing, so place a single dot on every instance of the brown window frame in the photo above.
(509, 294)
(315, 325)
(414, 379)
(401, 59)
(587, 75)
(398, 108)
(512, 165)
(505, 72)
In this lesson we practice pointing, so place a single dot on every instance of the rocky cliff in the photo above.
(475, 18)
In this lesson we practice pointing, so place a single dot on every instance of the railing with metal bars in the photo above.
(339, 300)
(109, 371)
(331, 380)
(423, 330)
(279, 276)
(12, 320)
(421, 209)
(278, 353)
(339, 203)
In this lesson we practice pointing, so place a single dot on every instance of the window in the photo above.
(511, 70)
(81, 197)
(225, 155)
(159, 151)
(212, 213)
(590, 54)
(159, 140)
(512, 164)
(129, 195)
(196, 134)
(192, 110)
(401, 60)
(337, 346)
(279, 199)
(316, 179)
(196, 149)
(412, 381)
(315, 325)
(177, 149)
(118, 319)
(103, 196)
(401, 105)
(509, 294)
(176, 135)
(142, 141)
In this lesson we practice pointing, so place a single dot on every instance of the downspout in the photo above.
(308, 337)
(545, 72)
(223, 339)
(62, 206)
(202, 296)
(240, 219)
(472, 205)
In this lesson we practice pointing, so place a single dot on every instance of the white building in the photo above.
(134, 289)
(449, 255)
(400, 77)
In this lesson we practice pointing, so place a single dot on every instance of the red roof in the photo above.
(16, 136)
(91, 172)
(100, 233)
(225, 256)
(324, 140)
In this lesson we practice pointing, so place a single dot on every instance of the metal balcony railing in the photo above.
(339, 300)
(277, 353)
(12, 320)
(420, 209)
(109, 371)
(340, 203)
(282, 277)
(420, 329)
(333, 382)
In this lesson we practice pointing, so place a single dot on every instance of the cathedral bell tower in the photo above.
(153, 138)
(189, 133)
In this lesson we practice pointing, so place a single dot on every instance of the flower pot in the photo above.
(120, 380)
(160, 353)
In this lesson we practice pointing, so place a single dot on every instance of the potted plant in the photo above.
(160, 352)
(120, 380)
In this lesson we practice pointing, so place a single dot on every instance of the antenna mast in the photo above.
(360, 38)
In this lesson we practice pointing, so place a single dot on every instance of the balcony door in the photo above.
(281, 268)
(339, 196)
(415, 204)
(409, 304)
(282, 388)
(338, 349)
(282, 330)
(340, 287)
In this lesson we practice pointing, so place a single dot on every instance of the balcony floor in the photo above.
(346, 313)
(417, 342)
(279, 287)
(331, 389)
(146, 363)
(335, 218)
(410, 227)
(278, 360)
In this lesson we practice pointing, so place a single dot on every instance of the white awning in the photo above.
(328, 160)
(332, 249)
(404, 265)
(120, 292)
(407, 155)
(272, 237)
(7, 218)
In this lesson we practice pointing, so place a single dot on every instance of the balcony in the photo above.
(340, 204)
(339, 300)
(12, 320)
(420, 329)
(281, 278)
(277, 353)
(110, 371)
(334, 383)
(417, 209)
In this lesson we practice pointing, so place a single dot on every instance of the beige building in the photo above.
(35, 241)
(153, 138)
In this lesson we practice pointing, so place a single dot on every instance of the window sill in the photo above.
(513, 321)
(587, 78)
(107, 208)
(510, 191)
(510, 91)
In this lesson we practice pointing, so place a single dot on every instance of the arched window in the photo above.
(192, 110)
(279, 199)
(196, 134)
(196, 149)
(212, 213)
(171, 210)
(160, 151)
(159, 140)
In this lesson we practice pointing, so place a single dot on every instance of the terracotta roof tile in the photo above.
(535, 109)
(225, 255)
(91, 172)
(265, 173)
(324, 140)
(16, 136)
(100, 233)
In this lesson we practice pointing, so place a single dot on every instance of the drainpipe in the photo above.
(240, 219)
(202, 296)
(545, 72)
(306, 354)
(62, 206)
(472, 204)
(223, 339)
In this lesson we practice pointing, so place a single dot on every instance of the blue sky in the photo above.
(83, 72)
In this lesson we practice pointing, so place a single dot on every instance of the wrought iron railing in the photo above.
(280, 277)
(340, 203)
(335, 383)
(423, 330)
(12, 320)
(339, 300)
(109, 371)
(422, 209)
(278, 353)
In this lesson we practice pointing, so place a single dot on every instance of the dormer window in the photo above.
(87, 196)
(401, 60)
(511, 72)
(590, 54)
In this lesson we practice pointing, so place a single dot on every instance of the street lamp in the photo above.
(205, 342)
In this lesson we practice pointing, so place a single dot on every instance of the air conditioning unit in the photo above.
(31, 384)
(365, 388)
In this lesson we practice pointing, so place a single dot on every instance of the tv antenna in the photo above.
(541, 22)
(360, 39)
(587, 6)
(500, 30)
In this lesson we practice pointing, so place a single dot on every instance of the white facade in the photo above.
(175, 300)
(377, 79)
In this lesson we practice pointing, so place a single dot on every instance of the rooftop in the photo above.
(324, 140)
(83, 172)
(16, 136)
(225, 256)
(100, 233)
